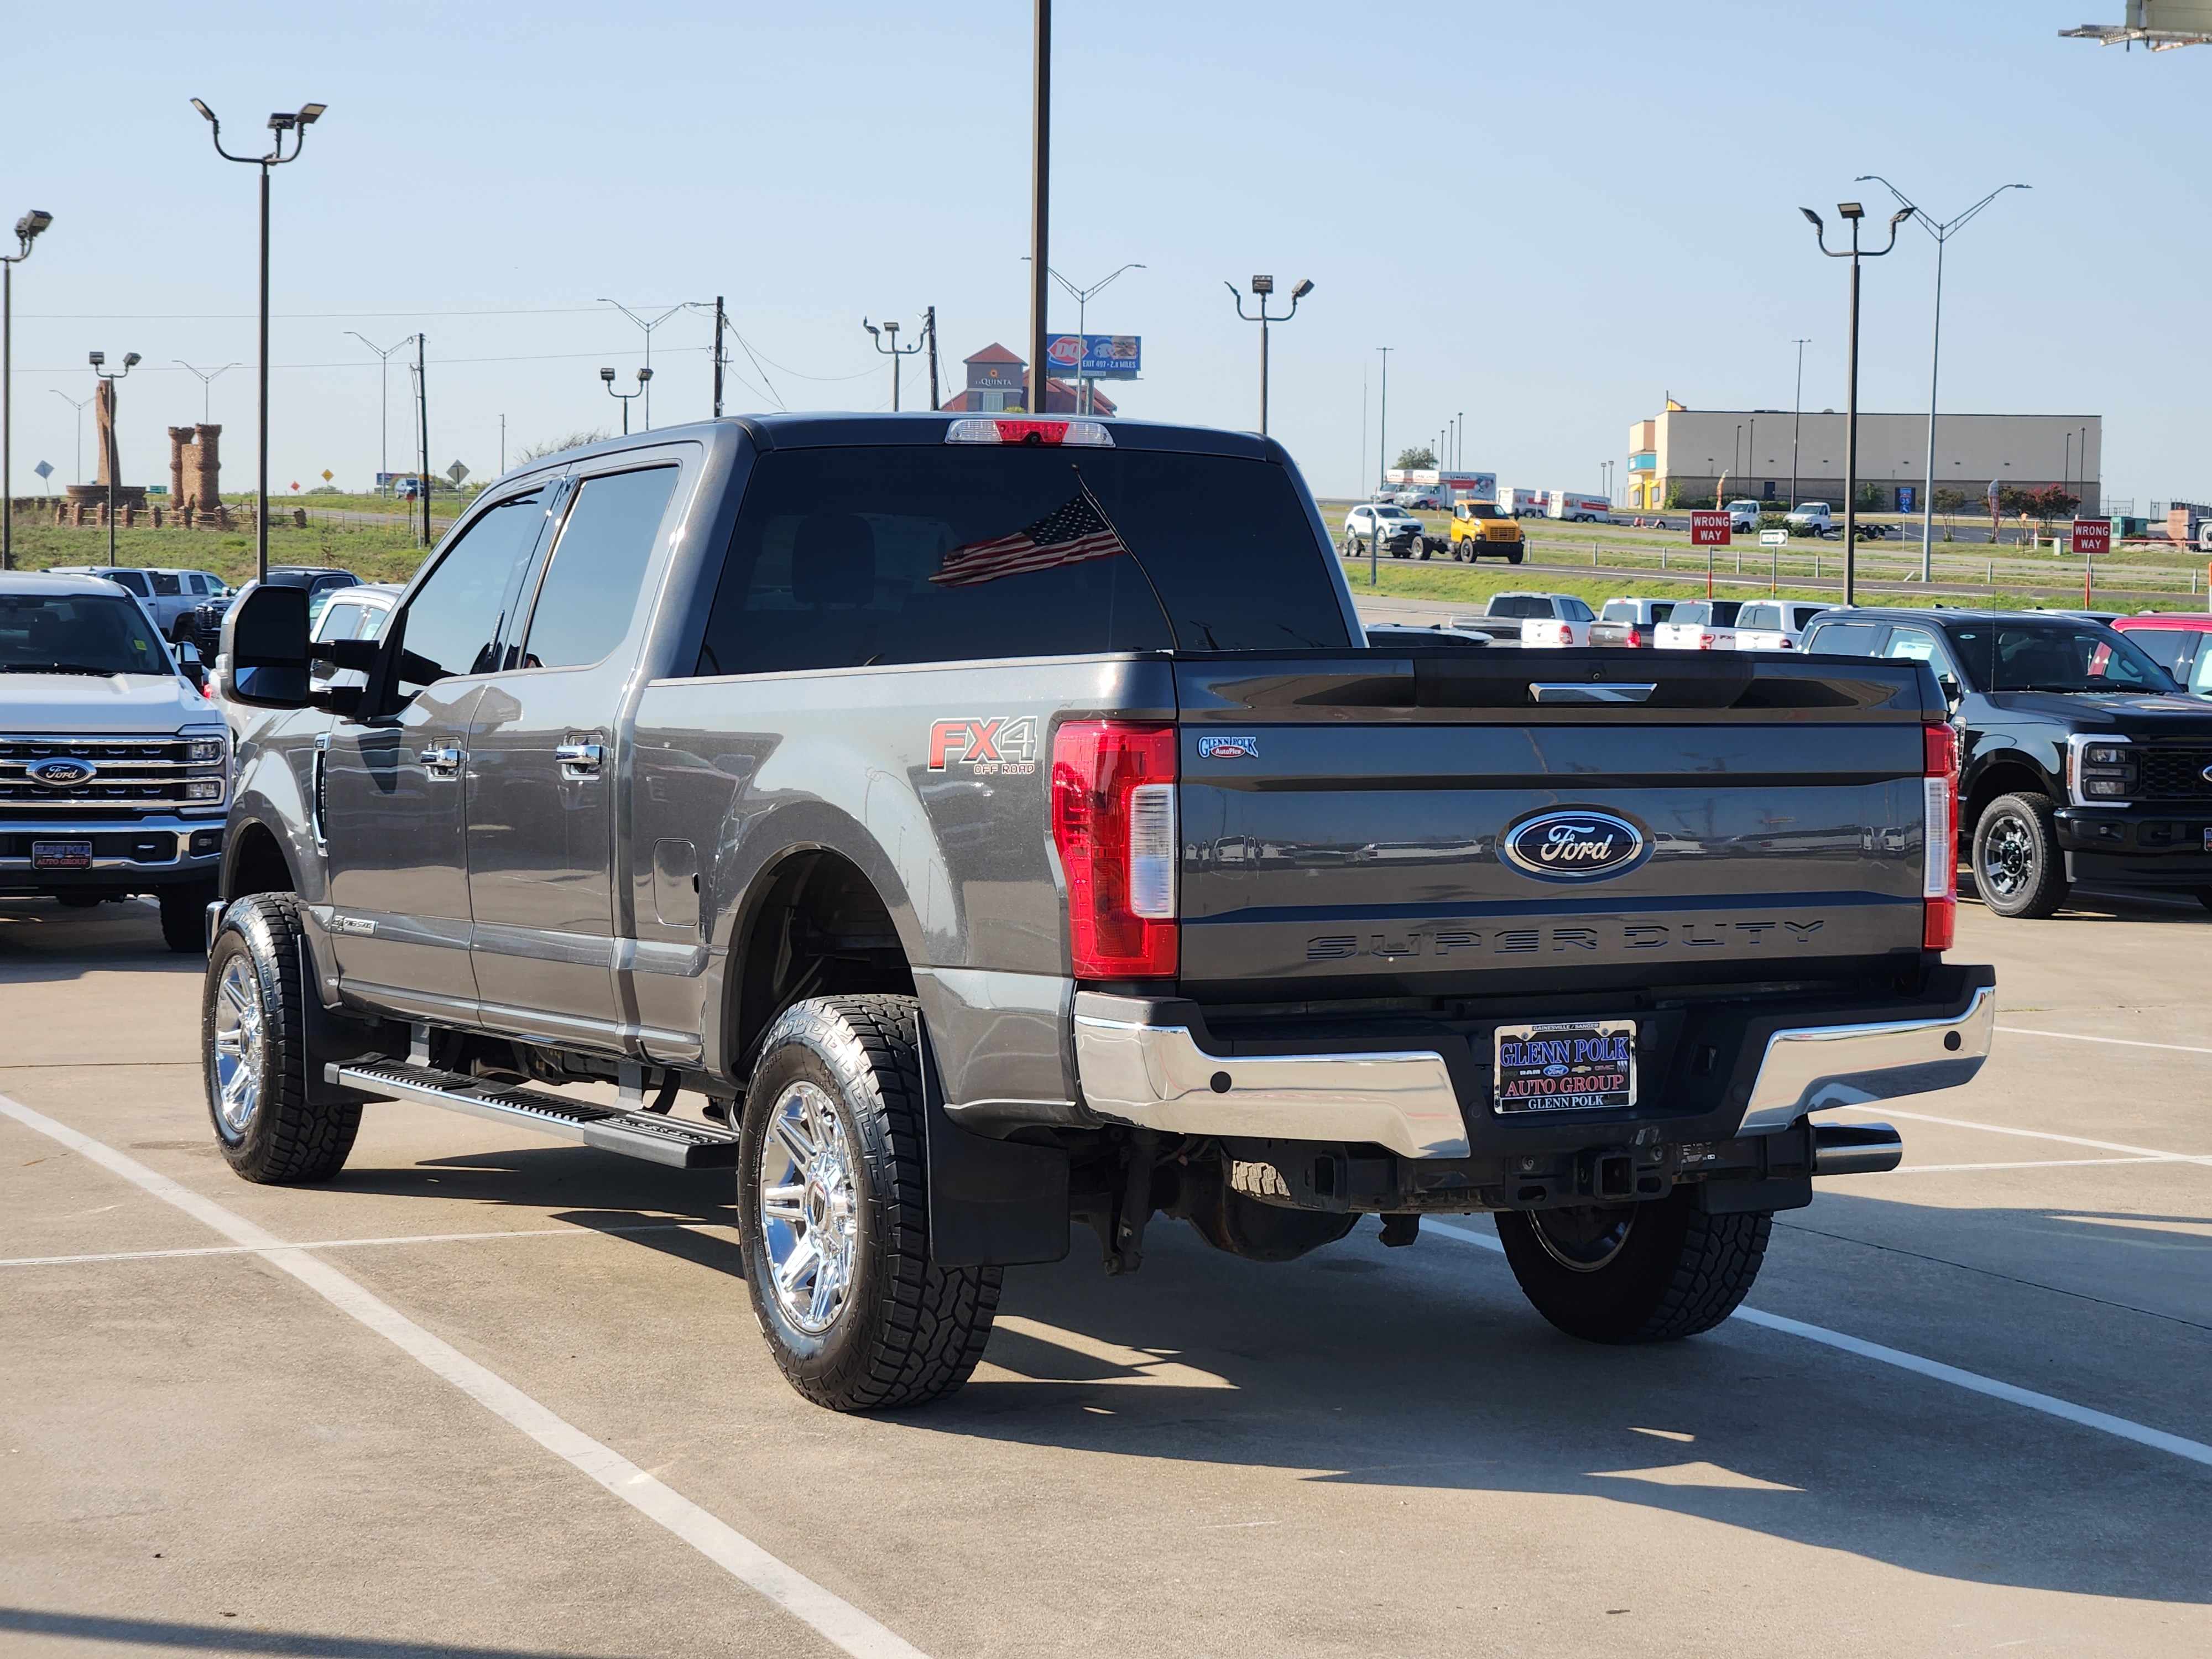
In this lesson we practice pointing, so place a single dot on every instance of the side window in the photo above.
(372, 620)
(454, 618)
(1757, 616)
(340, 621)
(131, 581)
(1661, 611)
(597, 569)
(1918, 645)
(1844, 638)
(166, 585)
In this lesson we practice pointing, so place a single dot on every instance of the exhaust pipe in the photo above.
(1856, 1149)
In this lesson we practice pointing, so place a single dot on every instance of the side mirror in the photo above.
(1950, 689)
(265, 636)
(189, 665)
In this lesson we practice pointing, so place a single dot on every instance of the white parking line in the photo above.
(359, 1243)
(832, 1616)
(2124, 1042)
(2033, 1164)
(2153, 1152)
(1973, 1382)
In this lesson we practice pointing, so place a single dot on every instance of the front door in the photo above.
(543, 768)
(393, 795)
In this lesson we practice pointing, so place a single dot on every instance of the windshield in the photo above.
(1392, 512)
(2054, 657)
(76, 634)
(1483, 510)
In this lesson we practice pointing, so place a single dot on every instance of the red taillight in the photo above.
(1016, 430)
(1635, 638)
(1114, 821)
(1705, 641)
(1940, 828)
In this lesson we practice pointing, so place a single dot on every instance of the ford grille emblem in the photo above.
(2207, 775)
(62, 774)
(1570, 845)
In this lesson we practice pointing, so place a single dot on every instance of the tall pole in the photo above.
(1796, 421)
(719, 319)
(1852, 438)
(1382, 424)
(929, 322)
(423, 414)
(7, 415)
(261, 437)
(1263, 369)
(1040, 178)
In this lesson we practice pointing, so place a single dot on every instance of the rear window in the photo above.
(1521, 604)
(1620, 611)
(965, 553)
(1760, 616)
(1688, 615)
(1844, 639)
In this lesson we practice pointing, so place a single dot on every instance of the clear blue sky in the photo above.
(1555, 213)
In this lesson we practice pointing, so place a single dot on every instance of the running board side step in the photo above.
(679, 1145)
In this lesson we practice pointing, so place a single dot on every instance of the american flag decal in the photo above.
(1072, 532)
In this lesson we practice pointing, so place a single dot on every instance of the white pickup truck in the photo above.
(1546, 619)
(1776, 624)
(114, 770)
(1700, 625)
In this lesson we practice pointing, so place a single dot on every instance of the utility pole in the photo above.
(111, 446)
(422, 412)
(929, 327)
(1039, 179)
(718, 324)
(1797, 419)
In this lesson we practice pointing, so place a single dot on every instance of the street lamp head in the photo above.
(130, 361)
(643, 375)
(1899, 217)
(1263, 285)
(1813, 217)
(1849, 210)
(97, 357)
(282, 121)
(206, 113)
(28, 227)
(311, 113)
(608, 375)
(871, 328)
(1304, 288)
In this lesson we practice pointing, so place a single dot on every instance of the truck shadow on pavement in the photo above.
(43, 941)
(232, 1638)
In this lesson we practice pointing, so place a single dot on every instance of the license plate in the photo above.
(1571, 1066)
(61, 855)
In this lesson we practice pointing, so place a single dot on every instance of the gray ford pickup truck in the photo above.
(916, 816)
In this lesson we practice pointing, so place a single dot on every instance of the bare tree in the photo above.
(574, 441)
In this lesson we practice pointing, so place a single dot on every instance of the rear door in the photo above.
(542, 761)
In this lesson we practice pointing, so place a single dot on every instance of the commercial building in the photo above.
(1681, 457)
(997, 382)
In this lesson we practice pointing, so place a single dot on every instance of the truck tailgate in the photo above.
(1382, 829)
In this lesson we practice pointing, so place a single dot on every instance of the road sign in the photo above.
(1774, 539)
(327, 475)
(1096, 356)
(2093, 536)
(457, 472)
(1709, 529)
(44, 469)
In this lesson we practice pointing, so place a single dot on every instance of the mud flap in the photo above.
(992, 1203)
(334, 1038)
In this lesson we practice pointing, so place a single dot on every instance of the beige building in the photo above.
(1681, 457)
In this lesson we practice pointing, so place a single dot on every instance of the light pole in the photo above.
(1262, 287)
(1941, 231)
(1381, 459)
(894, 351)
(1082, 297)
(26, 231)
(113, 456)
(206, 381)
(1854, 212)
(1796, 419)
(647, 377)
(383, 400)
(644, 381)
(295, 123)
(78, 404)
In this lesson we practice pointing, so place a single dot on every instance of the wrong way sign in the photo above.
(2092, 535)
(1709, 529)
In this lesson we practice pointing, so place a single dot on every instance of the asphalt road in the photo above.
(506, 1397)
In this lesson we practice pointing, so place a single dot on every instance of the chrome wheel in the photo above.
(809, 1207)
(2008, 862)
(1583, 1240)
(241, 1046)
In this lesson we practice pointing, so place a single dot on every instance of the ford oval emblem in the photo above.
(1572, 846)
(62, 774)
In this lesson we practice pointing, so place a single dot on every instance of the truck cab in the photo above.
(1481, 530)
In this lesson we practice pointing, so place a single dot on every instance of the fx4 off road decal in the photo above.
(989, 745)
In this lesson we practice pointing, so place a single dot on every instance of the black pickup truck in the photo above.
(2082, 759)
(918, 815)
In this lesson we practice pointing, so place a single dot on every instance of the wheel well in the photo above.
(2003, 779)
(818, 928)
(256, 864)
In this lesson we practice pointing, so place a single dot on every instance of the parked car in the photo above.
(1397, 531)
(168, 595)
(1066, 897)
(114, 771)
(358, 612)
(2176, 642)
(1745, 515)
(1478, 528)
(1699, 625)
(1811, 519)
(2081, 761)
(1775, 625)
(1630, 622)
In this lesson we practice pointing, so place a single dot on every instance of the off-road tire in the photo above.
(183, 917)
(286, 1141)
(2035, 884)
(1678, 1272)
(909, 1331)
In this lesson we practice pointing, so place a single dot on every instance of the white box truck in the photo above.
(1524, 503)
(1575, 507)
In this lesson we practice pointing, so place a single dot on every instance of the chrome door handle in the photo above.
(578, 760)
(441, 760)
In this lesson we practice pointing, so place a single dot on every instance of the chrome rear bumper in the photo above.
(1157, 1077)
